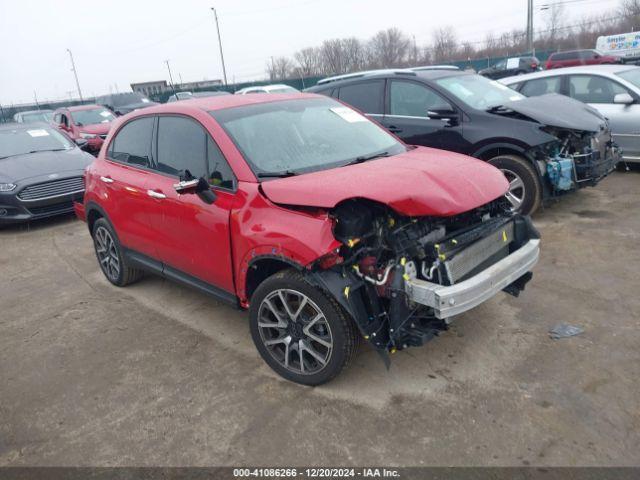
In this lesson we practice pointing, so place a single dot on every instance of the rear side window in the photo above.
(132, 144)
(411, 99)
(594, 89)
(182, 147)
(540, 86)
(365, 96)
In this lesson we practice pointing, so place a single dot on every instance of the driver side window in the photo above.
(409, 99)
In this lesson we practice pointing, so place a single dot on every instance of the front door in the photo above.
(193, 237)
(599, 92)
(410, 108)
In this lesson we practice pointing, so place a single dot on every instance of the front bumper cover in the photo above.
(447, 301)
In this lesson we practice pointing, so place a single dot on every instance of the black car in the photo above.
(546, 146)
(40, 172)
(511, 66)
(123, 103)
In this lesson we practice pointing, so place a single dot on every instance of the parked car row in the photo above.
(569, 146)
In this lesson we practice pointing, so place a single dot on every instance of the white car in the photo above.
(614, 90)
(278, 88)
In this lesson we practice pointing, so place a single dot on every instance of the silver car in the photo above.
(614, 90)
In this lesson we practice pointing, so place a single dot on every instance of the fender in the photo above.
(93, 206)
(518, 148)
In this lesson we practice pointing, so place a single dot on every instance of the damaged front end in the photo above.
(402, 278)
(575, 158)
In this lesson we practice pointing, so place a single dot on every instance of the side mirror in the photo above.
(63, 126)
(623, 99)
(199, 186)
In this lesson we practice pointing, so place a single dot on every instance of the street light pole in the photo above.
(530, 25)
(224, 69)
(75, 74)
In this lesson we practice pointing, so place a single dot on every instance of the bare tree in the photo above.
(309, 61)
(389, 48)
(444, 44)
(279, 68)
(630, 11)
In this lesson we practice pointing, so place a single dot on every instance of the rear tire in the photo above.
(525, 191)
(110, 256)
(300, 331)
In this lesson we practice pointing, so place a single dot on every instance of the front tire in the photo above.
(300, 331)
(525, 191)
(110, 258)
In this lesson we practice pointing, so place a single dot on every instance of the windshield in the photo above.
(93, 116)
(296, 136)
(37, 117)
(128, 98)
(478, 92)
(631, 76)
(21, 141)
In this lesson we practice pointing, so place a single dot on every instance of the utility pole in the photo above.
(170, 77)
(530, 25)
(224, 69)
(75, 74)
(36, 99)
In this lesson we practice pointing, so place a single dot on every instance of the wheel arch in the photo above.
(93, 213)
(262, 267)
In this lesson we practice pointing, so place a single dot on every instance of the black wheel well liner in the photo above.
(492, 150)
(93, 213)
(262, 267)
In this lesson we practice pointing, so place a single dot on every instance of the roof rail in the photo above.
(397, 71)
(434, 67)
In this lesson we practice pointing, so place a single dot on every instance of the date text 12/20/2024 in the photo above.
(315, 473)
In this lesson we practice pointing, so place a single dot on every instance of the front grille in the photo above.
(52, 209)
(54, 188)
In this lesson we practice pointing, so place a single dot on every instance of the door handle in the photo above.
(394, 129)
(154, 194)
(106, 179)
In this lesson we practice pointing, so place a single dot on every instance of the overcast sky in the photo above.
(116, 42)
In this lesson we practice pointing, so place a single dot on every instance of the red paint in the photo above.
(74, 131)
(218, 243)
(422, 181)
(575, 60)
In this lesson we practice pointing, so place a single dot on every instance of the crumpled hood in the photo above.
(21, 167)
(559, 111)
(420, 182)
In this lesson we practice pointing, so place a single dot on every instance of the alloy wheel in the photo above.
(295, 331)
(107, 253)
(516, 193)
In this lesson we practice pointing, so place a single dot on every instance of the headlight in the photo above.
(7, 187)
(87, 135)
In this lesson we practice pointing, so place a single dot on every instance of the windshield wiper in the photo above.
(34, 151)
(280, 174)
(364, 158)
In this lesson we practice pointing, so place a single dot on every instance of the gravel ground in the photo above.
(156, 374)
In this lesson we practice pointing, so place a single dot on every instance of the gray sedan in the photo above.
(614, 90)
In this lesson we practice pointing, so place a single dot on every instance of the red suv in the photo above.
(298, 208)
(579, 57)
(89, 122)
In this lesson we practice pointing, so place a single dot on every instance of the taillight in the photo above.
(534, 65)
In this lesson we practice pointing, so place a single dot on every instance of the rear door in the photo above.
(599, 92)
(124, 176)
(407, 115)
(193, 237)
